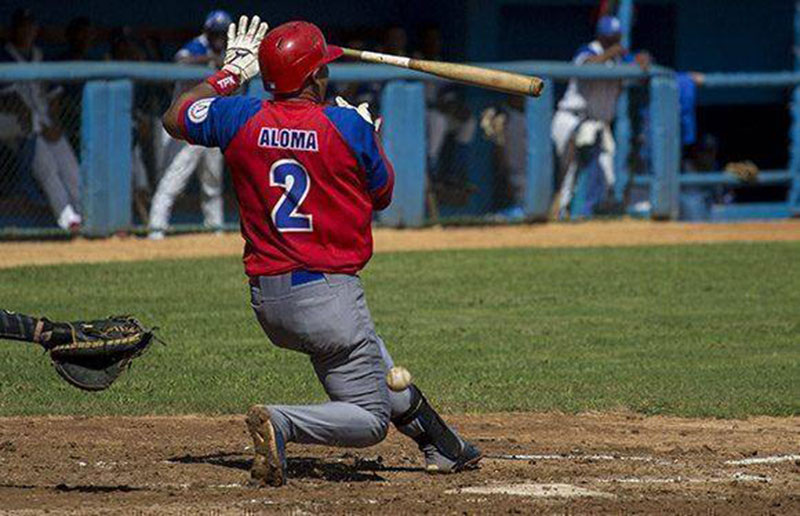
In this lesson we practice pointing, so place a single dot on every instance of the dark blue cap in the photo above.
(609, 26)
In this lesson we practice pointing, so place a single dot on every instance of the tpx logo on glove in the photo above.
(226, 82)
(223, 82)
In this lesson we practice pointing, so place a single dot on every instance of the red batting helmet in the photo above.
(291, 53)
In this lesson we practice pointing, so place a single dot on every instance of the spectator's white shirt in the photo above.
(32, 92)
(595, 99)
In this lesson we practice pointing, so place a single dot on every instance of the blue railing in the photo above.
(106, 120)
(84, 71)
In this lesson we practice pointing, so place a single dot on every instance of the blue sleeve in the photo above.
(213, 122)
(687, 99)
(192, 48)
(583, 54)
(361, 138)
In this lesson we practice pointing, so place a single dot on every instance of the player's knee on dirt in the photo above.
(423, 424)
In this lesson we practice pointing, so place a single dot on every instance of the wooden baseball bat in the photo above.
(499, 80)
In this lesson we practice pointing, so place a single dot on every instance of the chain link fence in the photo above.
(477, 156)
(476, 148)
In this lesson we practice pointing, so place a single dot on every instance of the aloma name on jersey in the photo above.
(292, 139)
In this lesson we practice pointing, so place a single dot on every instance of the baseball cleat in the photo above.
(437, 463)
(269, 460)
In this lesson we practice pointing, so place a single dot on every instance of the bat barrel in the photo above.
(506, 82)
(498, 80)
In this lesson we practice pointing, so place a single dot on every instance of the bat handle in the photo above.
(376, 57)
(351, 53)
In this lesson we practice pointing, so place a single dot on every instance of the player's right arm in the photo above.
(609, 54)
(241, 64)
(194, 53)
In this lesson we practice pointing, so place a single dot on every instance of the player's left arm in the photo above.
(364, 138)
(241, 64)
(381, 176)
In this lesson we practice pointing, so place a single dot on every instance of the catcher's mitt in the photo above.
(92, 354)
(746, 171)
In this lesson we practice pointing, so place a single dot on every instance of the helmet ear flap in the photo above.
(323, 72)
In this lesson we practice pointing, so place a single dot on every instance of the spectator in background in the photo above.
(358, 92)
(54, 165)
(207, 49)
(430, 48)
(581, 127)
(451, 128)
(123, 47)
(395, 41)
(506, 129)
(688, 82)
(79, 36)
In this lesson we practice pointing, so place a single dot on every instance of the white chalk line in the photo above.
(736, 477)
(774, 459)
(533, 491)
(575, 456)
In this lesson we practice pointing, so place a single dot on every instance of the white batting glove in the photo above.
(362, 110)
(241, 55)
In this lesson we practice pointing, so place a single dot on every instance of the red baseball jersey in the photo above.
(307, 178)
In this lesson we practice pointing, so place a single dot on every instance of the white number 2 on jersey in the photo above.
(295, 181)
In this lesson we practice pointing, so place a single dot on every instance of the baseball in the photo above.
(398, 378)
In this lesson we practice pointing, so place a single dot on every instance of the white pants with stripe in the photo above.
(209, 164)
(564, 128)
(56, 169)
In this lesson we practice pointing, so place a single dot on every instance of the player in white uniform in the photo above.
(588, 109)
(206, 49)
(54, 165)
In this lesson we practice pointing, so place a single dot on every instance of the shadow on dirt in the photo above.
(64, 488)
(331, 470)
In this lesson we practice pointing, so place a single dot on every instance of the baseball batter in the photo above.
(308, 177)
(205, 49)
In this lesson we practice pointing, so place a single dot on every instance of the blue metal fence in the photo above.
(106, 134)
(789, 177)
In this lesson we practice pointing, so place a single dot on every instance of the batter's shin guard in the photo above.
(22, 327)
(426, 427)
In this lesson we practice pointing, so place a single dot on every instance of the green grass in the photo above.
(692, 331)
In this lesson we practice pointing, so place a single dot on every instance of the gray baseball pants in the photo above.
(326, 317)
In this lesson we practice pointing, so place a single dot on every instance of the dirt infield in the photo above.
(587, 463)
(618, 233)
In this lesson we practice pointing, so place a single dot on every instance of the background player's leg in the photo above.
(68, 169)
(211, 185)
(606, 159)
(172, 184)
(44, 168)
